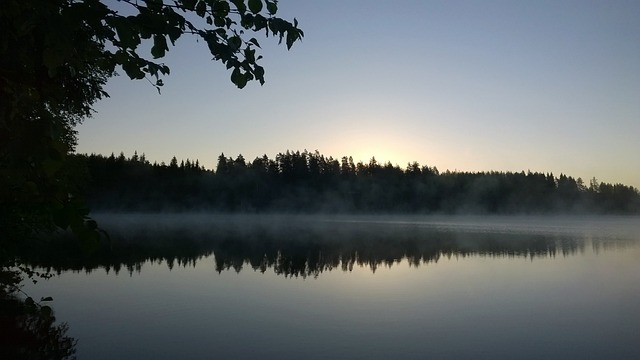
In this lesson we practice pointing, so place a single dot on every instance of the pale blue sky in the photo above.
(550, 86)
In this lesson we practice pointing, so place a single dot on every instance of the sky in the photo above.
(546, 86)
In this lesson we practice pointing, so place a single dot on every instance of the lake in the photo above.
(363, 287)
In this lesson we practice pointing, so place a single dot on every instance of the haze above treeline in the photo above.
(309, 182)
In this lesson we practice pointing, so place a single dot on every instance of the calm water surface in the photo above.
(231, 287)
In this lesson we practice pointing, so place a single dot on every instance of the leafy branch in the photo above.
(162, 23)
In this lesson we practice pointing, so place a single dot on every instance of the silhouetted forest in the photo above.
(309, 182)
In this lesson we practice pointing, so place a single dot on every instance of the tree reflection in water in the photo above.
(302, 247)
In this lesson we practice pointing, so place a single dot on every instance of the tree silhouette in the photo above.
(311, 183)
(28, 329)
(55, 58)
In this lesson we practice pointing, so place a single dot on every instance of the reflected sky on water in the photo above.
(449, 287)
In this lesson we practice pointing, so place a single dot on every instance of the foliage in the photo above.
(27, 327)
(49, 79)
(310, 182)
(219, 23)
(55, 58)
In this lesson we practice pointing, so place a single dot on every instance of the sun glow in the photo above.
(363, 140)
(385, 146)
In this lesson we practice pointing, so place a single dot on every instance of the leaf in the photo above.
(239, 4)
(272, 7)
(48, 298)
(250, 55)
(174, 33)
(46, 311)
(235, 42)
(127, 36)
(159, 46)
(238, 78)
(201, 8)
(189, 4)
(145, 33)
(255, 6)
(259, 73)
(219, 22)
(132, 69)
(254, 42)
(292, 36)
(221, 8)
(259, 22)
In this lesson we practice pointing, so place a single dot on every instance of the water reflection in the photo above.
(484, 288)
(307, 247)
(28, 328)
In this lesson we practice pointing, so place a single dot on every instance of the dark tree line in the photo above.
(312, 183)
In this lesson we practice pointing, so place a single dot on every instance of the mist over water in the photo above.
(303, 245)
(343, 287)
